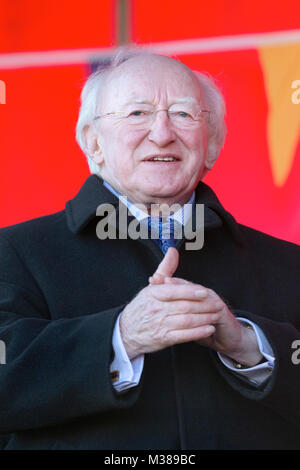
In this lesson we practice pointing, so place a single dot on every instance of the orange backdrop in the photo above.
(251, 48)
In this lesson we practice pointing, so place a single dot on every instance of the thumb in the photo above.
(167, 267)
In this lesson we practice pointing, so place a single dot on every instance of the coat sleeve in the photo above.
(275, 272)
(281, 391)
(55, 370)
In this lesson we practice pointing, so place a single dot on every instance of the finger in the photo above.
(176, 280)
(156, 279)
(191, 320)
(169, 264)
(169, 292)
(193, 334)
(160, 279)
(185, 307)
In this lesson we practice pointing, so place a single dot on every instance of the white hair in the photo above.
(212, 100)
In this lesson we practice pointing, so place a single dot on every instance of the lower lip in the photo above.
(161, 162)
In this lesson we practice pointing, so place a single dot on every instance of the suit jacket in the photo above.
(61, 290)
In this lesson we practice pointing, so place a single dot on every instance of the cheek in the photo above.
(198, 146)
(125, 143)
(199, 141)
(131, 140)
(126, 151)
(121, 160)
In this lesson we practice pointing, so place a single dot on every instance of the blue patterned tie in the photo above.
(164, 242)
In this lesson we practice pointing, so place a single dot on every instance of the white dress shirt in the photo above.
(127, 374)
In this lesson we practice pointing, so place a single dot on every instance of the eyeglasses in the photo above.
(141, 119)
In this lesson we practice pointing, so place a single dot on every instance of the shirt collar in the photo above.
(81, 210)
(181, 216)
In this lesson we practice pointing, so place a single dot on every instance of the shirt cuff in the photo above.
(262, 371)
(124, 373)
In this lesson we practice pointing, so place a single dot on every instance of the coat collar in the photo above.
(82, 208)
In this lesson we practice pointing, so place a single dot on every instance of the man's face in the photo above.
(126, 151)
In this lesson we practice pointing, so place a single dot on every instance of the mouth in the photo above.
(169, 158)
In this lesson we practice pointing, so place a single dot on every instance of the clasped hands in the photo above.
(171, 310)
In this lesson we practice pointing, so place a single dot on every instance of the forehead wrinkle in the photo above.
(137, 101)
(184, 100)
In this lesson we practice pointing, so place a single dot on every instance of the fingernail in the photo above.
(200, 293)
(210, 329)
(219, 305)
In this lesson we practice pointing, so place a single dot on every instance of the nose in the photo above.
(161, 131)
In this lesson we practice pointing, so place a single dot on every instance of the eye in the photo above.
(137, 113)
(184, 114)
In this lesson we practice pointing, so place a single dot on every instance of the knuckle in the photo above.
(155, 307)
(154, 290)
(159, 332)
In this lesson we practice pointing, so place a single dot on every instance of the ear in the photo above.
(212, 155)
(92, 145)
(209, 162)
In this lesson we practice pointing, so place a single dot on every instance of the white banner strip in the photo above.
(17, 60)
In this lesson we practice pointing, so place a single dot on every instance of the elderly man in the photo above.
(105, 347)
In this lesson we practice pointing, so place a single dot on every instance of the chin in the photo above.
(163, 193)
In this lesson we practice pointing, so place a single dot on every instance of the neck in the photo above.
(163, 207)
(156, 206)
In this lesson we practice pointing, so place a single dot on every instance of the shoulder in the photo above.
(268, 250)
(263, 240)
(37, 224)
(24, 252)
(32, 231)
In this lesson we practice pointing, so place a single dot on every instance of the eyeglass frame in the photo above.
(163, 109)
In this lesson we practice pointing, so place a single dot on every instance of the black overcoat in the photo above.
(61, 290)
